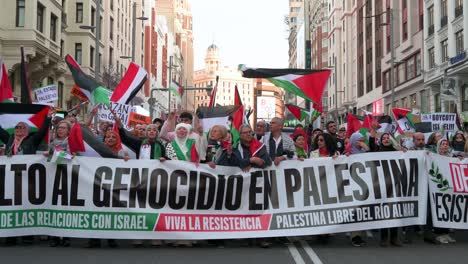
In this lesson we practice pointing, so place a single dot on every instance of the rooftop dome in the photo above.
(212, 46)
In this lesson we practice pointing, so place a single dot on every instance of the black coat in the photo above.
(30, 144)
(134, 143)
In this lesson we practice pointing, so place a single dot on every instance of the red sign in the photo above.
(377, 107)
(459, 177)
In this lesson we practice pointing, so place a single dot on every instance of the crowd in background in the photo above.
(181, 137)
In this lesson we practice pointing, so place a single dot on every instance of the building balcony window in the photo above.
(430, 30)
(443, 21)
(458, 11)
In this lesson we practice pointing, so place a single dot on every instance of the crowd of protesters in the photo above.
(181, 137)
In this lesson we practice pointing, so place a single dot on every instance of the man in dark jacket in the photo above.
(332, 129)
(250, 152)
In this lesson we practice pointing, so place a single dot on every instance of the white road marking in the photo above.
(295, 254)
(308, 249)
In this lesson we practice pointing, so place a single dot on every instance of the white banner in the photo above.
(46, 94)
(122, 110)
(110, 198)
(448, 186)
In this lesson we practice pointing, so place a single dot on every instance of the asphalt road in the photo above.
(304, 250)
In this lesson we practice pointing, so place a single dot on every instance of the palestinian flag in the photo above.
(298, 112)
(404, 119)
(60, 156)
(130, 84)
(25, 86)
(84, 143)
(213, 93)
(385, 123)
(176, 89)
(308, 84)
(6, 95)
(31, 114)
(88, 85)
(219, 115)
(237, 97)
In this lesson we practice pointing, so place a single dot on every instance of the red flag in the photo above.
(213, 93)
(75, 139)
(237, 98)
(353, 125)
(6, 95)
(255, 146)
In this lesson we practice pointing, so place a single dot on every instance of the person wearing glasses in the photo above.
(324, 146)
(260, 129)
(22, 142)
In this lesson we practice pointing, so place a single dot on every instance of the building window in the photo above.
(410, 69)
(423, 100)
(53, 27)
(412, 100)
(78, 52)
(418, 64)
(459, 42)
(79, 13)
(62, 46)
(111, 29)
(430, 20)
(458, 8)
(40, 17)
(111, 55)
(20, 8)
(444, 50)
(431, 57)
(421, 14)
(401, 73)
(100, 26)
(443, 13)
(404, 102)
(112, 4)
(93, 18)
(437, 102)
(404, 12)
(91, 56)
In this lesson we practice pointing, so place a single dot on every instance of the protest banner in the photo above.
(76, 91)
(448, 191)
(446, 122)
(46, 94)
(136, 119)
(122, 110)
(107, 198)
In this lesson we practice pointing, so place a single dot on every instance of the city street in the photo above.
(338, 250)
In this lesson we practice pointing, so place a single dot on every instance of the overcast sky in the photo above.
(248, 32)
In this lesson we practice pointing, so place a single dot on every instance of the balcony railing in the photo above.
(458, 11)
(443, 21)
(430, 30)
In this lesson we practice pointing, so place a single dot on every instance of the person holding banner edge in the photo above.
(24, 143)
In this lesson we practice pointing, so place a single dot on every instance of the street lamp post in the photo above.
(134, 30)
(152, 100)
